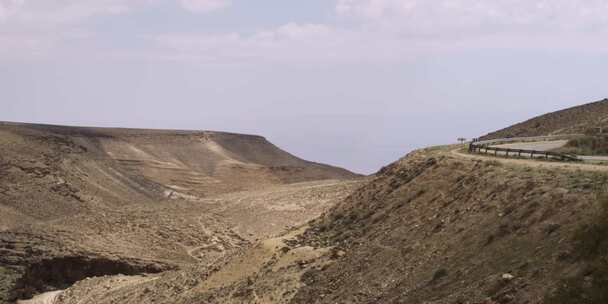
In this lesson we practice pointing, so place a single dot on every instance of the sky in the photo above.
(353, 83)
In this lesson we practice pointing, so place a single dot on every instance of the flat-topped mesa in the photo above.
(50, 170)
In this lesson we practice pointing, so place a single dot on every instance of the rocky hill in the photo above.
(88, 202)
(52, 171)
(575, 120)
(433, 227)
(437, 229)
(437, 226)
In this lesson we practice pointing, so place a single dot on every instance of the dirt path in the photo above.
(207, 234)
(45, 298)
(594, 158)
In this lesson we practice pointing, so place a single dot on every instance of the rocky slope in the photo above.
(52, 171)
(432, 227)
(89, 202)
(436, 229)
(141, 239)
(437, 226)
(575, 120)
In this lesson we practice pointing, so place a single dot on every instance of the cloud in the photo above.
(61, 11)
(465, 17)
(33, 29)
(361, 30)
(8, 8)
(291, 42)
(261, 39)
(204, 5)
(377, 43)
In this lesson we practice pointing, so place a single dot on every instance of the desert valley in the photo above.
(97, 215)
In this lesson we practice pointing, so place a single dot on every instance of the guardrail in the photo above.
(527, 139)
(477, 146)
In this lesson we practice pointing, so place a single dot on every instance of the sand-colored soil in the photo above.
(45, 298)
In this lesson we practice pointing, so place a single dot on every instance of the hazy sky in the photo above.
(355, 83)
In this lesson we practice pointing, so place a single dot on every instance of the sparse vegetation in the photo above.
(587, 145)
(575, 120)
(592, 240)
(431, 227)
(439, 274)
(493, 163)
(591, 246)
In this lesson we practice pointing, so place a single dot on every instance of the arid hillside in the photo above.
(437, 226)
(433, 228)
(48, 172)
(144, 238)
(78, 203)
(575, 120)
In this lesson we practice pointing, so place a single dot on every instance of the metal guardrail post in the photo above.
(478, 146)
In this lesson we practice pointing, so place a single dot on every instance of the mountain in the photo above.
(575, 120)
(51, 171)
(436, 226)
(82, 202)
(432, 228)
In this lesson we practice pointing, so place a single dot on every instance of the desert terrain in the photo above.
(133, 216)
(84, 202)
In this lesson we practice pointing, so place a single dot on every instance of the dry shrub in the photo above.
(591, 246)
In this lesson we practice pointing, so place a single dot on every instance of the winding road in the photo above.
(535, 145)
(547, 146)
